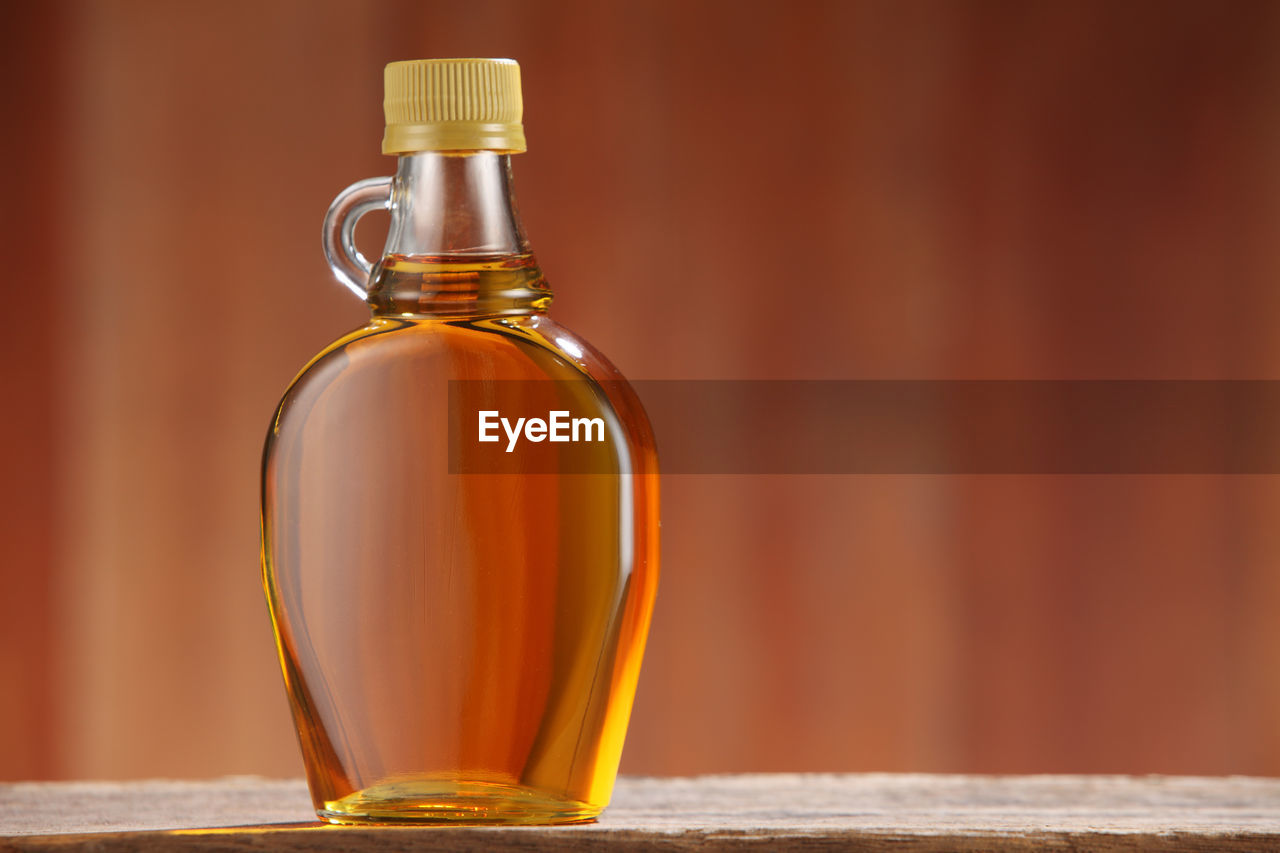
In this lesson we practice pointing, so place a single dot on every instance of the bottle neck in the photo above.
(455, 246)
(453, 203)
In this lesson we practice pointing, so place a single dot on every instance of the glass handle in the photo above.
(348, 265)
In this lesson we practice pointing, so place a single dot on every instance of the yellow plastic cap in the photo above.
(453, 105)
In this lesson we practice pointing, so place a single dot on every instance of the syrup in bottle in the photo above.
(457, 647)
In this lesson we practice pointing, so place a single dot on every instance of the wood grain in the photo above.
(716, 189)
(784, 812)
(30, 433)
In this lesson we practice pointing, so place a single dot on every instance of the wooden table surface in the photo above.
(710, 813)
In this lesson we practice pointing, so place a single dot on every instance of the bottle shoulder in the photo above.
(400, 374)
(407, 353)
(497, 348)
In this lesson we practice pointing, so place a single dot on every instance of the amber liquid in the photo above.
(457, 648)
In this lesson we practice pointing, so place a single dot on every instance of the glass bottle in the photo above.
(457, 647)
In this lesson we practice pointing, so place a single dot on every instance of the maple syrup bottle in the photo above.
(457, 647)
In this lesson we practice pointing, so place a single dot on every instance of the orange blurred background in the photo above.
(717, 190)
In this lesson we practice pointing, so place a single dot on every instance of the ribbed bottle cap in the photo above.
(453, 105)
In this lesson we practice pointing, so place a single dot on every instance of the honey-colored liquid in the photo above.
(457, 647)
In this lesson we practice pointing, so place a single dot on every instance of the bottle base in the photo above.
(454, 803)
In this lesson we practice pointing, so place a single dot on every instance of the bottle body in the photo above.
(457, 647)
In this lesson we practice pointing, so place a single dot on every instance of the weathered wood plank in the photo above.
(785, 812)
